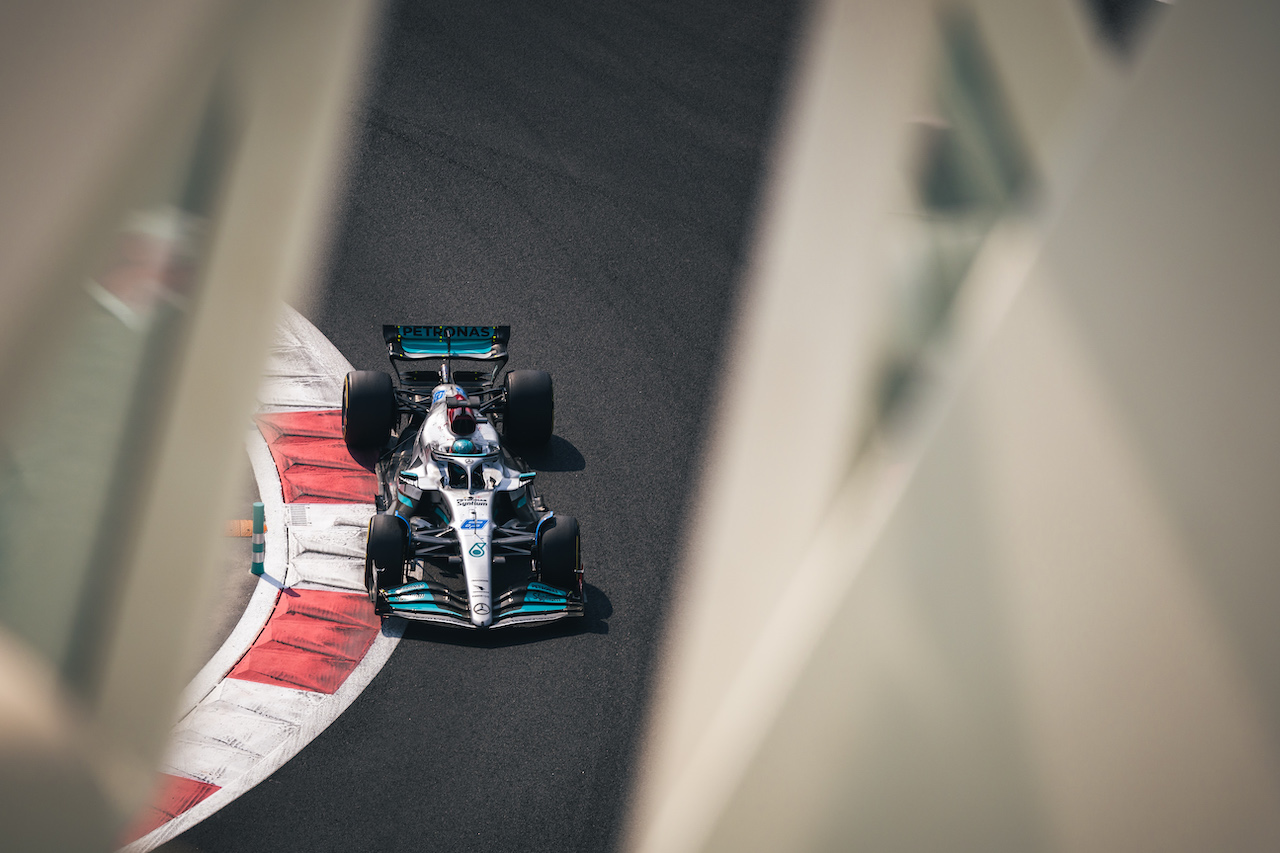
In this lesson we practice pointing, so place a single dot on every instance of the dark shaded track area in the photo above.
(586, 173)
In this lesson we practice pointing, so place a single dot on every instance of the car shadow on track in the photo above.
(557, 455)
(599, 608)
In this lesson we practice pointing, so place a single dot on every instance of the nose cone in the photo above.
(481, 615)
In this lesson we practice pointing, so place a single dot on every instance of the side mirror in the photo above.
(527, 476)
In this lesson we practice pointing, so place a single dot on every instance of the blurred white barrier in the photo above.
(1013, 587)
(166, 173)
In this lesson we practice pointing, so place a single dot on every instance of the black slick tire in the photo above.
(530, 412)
(559, 553)
(384, 554)
(369, 411)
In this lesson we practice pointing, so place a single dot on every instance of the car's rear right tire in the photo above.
(369, 412)
(530, 411)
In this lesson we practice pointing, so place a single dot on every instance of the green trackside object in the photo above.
(259, 537)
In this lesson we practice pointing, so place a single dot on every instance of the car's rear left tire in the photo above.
(369, 412)
(560, 553)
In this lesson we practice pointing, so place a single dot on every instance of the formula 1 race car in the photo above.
(461, 537)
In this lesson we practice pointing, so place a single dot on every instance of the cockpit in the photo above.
(464, 461)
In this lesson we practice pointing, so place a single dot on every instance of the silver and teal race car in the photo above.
(461, 537)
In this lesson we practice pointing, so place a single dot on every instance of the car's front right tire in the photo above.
(560, 553)
(384, 554)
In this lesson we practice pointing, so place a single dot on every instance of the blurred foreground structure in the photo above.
(989, 561)
(167, 169)
(1011, 587)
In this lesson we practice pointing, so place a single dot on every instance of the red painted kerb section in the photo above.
(313, 641)
(312, 458)
(177, 794)
(314, 638)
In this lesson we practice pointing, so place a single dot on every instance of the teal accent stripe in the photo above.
(405, 500)
(416, 586)
(411, 347)
(538, 608)
(423, 605)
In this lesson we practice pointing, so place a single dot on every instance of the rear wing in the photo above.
(412, 342)
(416, 353)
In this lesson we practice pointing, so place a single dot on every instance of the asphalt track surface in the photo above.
(586, 172)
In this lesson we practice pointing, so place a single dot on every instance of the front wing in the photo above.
(526, 604)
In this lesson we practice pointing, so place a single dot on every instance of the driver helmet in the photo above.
(463, 446)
